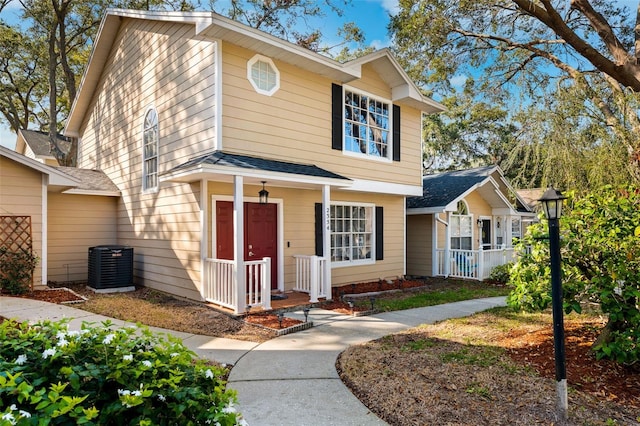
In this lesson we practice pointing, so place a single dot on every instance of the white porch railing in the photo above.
(471, 264)
(220, 283)
(311, 277)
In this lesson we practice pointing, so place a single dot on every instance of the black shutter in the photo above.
(379, 234)
(396, 133)
(319, 244)
(336, 116)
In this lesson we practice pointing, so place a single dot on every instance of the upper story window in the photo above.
(367, 124)
(352, 233)
(263, 75)
(150, 151)
(461, 228)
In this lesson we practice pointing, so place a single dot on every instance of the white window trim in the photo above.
(144, 175)
(250, 64)
(389, 157)
(459, 218)
(360, 262)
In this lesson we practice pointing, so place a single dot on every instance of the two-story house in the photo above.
(248, 164)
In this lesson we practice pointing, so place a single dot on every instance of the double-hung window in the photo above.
(150, 151)
(367, 124)
(516, 230)
(461, 228)
(352, 233)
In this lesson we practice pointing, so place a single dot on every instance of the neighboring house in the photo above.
(192, 115)
(37, 145)
(57, 213)
(465, 223)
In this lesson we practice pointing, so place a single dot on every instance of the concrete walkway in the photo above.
(289, 380)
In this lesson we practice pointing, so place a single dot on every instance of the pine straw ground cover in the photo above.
(492, 368)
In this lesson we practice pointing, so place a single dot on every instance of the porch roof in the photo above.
(224, 166)
(442, 191)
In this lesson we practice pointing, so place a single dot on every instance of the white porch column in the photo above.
(447, 247)
(238, 244)
(205, 285)
(434, 245)
(326, 238)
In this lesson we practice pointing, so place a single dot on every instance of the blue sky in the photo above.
(370, 15)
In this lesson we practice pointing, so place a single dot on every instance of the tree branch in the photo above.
(627, 74)
(604, 30)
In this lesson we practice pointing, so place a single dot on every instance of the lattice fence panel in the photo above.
(16, 246)
(15, 233)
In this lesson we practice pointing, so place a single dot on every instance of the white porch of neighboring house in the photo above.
(233, 276)
(476, 264)
(472, 223)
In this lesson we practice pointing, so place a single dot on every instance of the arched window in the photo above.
(461, 228)
(150, 151)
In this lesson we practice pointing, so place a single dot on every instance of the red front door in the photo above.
(260, 233)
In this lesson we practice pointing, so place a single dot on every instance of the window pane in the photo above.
(353, 232)
(366, 125)
(465, 243)
(465, 226)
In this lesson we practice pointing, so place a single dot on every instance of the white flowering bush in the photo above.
(103, 375)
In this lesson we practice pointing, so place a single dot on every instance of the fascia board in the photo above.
(190, 174)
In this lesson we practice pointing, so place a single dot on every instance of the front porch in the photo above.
(220, 282)
(471, 264)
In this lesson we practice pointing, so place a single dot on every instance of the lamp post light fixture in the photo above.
(552, 204)
(263, 194)
(280, 318)
(305, 311)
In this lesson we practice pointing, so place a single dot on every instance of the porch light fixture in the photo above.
(479, 223)
(264, 194)
(552, 204)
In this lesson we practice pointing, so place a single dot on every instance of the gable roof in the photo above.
(39, 143)
(76, 181)
(442, 191)
(214, 26)
(221, 163)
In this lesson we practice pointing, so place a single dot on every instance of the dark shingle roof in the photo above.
(220, 158)
(90, 180)
(39, 142)
(438, 190)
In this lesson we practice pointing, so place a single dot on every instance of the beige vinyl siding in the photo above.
(299, 230)
(164, 230)
(420, 245)
(294, 124)
(161, 65)
(77, 222)
(21, 195)
(152, 64)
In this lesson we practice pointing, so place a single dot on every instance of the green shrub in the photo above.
(106, 376)
(600, 248)
(501, 273)
(16, 273)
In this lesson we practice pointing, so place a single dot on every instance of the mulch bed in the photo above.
(271, 321)
(57, 295)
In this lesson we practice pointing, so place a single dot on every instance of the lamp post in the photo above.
(552, 204)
